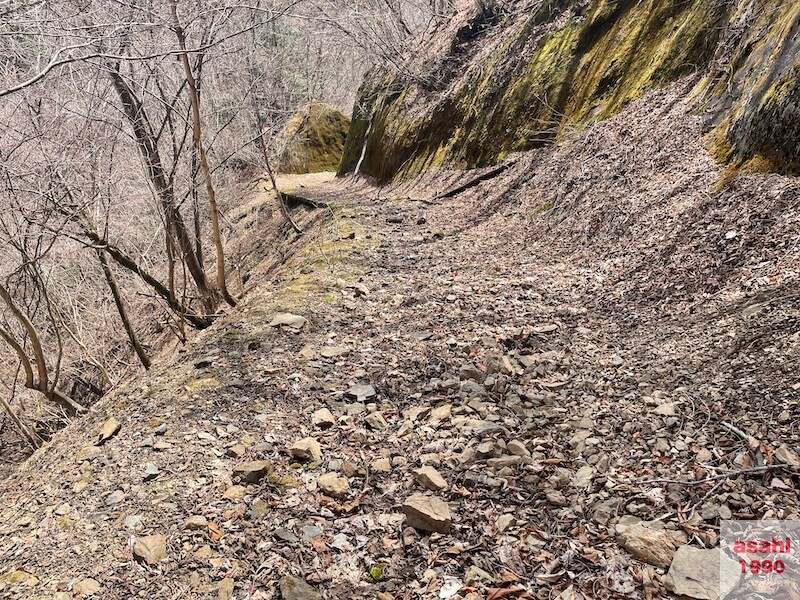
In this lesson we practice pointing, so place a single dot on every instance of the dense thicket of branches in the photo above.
(124, 127)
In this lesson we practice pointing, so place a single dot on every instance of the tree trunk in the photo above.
(42, 385)
(197, 136)
(123, 313)
(148, 147)
(29, 435)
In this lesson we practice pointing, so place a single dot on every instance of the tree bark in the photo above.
(197, 136)
(148, 148)
(123, 313)
(29, 435)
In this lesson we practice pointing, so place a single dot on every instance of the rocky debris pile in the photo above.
(480, 423)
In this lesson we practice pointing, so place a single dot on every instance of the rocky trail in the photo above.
(447, 398)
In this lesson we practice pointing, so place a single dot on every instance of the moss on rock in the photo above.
(314, 140)
(570, 63)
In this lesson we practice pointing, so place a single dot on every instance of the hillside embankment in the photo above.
(552, 376)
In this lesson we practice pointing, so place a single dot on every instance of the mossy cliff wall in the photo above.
(519, 81)
(752, 92)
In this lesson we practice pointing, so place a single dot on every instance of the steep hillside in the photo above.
(517, 78)
(550, 378)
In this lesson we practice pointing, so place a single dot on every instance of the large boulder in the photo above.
(313, 140)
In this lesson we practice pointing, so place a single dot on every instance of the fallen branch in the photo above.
(491, 174)
(751, 441)
(299, 199)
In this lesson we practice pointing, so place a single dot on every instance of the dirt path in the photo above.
(437, 337)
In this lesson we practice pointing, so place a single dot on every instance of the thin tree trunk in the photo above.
(123, 313)
(29, 435)
(125, 261)
(197, 136)
(148, 148)
(43, 384)
(278, 194)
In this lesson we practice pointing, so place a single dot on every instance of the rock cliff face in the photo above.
(489, 84)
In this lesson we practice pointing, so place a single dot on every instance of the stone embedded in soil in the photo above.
(361, 392)
(666, 410)
(333, 351)
(225, 589)
(87, 587)
(333, 485)
(293, 588)
(695, 573)
(427, 513)
(323, 418)
(110, 428)
(288, 320)
(235, 492)
(196, 523)
(151, 549)
(653, 546)
(381, 465)
(115, 498)
(253, 472)
(504, 461)
(430, 478)
(306, 449)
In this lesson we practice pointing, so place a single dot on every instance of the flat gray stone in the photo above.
(288, 320)
(293, 588)
(695, 573)
(361, 392)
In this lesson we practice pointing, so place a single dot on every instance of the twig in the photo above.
(721, 476)
(751, 441)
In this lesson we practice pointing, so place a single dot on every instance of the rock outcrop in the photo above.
(314, 140)
(520, 81)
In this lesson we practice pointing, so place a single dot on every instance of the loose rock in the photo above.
(333, 485)
(307, 449)
(110, 428)
(293, 588)
(151, 549)
(323, 419)
(427, 513)
(289, 321)
(649, 545)
(253, 472)
(430, 478)
(696, 573)
(196, 523)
